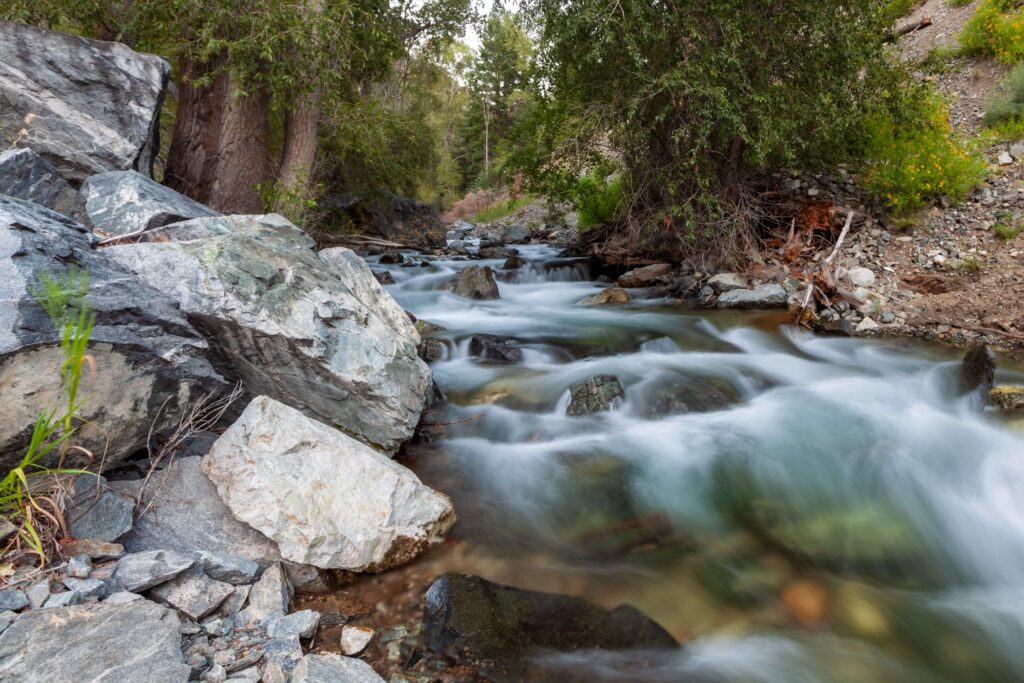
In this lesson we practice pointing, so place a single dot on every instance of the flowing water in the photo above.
(792, 508)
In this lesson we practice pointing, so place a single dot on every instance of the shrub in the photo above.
(596, 199)
(996, 29)
(917, 158)
(1006, 109)
(505, 207)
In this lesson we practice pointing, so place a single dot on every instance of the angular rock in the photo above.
(103, 642)
(121, 202)
(122, 598)
(193, 593)
(978, 370)
(149, 360)
(354, 639)
(765, 296)
(65, 599)
(37, 594)
(269, 598)
(79, 566)
(727, 282)
(331, 668)
(26, 175)
(460, 229)
(95, 550)
(866, 326)
(611, 295)
(315, 331)
(326, 499)
(495, 349)
(234, 602)
(1007, 399)
(11, 599)
(231, 569)
(140, 571)
(516, 234)
(495, 253)
(86, 106)
(476, 282)
(595, 395)
(280, 657)
(97, 512)
(861, 277)
(188, 516)
(87, 588)
(302, 624)
(499, 629)
(648, 276)
(513, 262)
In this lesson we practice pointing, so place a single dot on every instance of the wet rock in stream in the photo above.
(597, 394)
(476, 282)
(978, 370)
(503, 631)
(494, 349)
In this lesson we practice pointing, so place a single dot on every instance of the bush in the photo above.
(917, 158)
(505, 207)
(996, 29)
(1006, 109)
(596, 199)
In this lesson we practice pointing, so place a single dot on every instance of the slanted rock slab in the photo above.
(140, 571)
(107, 643)
(323, 497)
(26, 175)
(122, 202)
(193, 593)
(332, 668)
(97, 512)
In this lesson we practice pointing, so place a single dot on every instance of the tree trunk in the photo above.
(298, 158)
(218, 154)
(487, 139)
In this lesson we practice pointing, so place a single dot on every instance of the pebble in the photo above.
(354, 639)
(79, 567)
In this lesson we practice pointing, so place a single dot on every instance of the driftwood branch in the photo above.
(924, 22)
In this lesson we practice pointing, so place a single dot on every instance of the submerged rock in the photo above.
(86, 106)
(495, 349)
(325, 498)
(476, 282)
(596, 395)
(648, 276)
(500, 630)
(765, 296)
(139, 641)
(612, 295)
(26, 175)
(122, 202)
(148, 362)
(316, 331)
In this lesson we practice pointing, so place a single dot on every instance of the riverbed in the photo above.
(790, 507)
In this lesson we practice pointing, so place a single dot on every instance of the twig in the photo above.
(842, 236)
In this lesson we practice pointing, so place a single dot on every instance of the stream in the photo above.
(792, 508)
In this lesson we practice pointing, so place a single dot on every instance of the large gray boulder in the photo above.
(766, 296)
(101, 643)
(319, 334)
(332, 668)
(326, 499)
(86, 106)
(123, 202)
(26, 175)
(147, 361)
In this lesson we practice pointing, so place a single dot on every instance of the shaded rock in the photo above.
(354, 639)
(98, 551)
(37, 594)
(513, 262)
(331, 668)
(302, 624)
(978, 370)
(516, 234)
(1008, 399)
(122, 202)
(384, 277)
(65, 599)
(280, 657)
(150, 361)
(495, 253)
(139, 571)
(495, 349)
(11, 599)
(97, 512)
(314, 330)
(269, 598)
(79, 566)
(193, 593)
(866, 326)
(231, 569)
(727, 282)
(648, 276)
(677, 394)
(87, 588)
(476, 282)
(122, 598)
(389, 217)
(611, 295)
(103, 642)
(431, 349)
(26, 175)
(392, 258)
(87, 106)
(499, 629)
(232, 605)
(278, 471)
(188, 516)
(595, 395)
(765, 296)
(460, 229)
